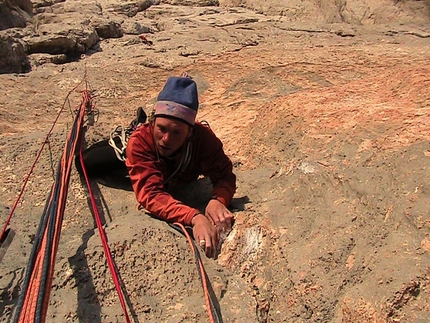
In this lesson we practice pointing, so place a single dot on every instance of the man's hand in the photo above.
(220, 215)
(205, 234)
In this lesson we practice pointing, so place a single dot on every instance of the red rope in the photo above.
(202, 274)
(27, 178)
(39, 277)
(35, 297)
(104, 239)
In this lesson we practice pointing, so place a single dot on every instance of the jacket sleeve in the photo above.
(147, 181)
(218, 166)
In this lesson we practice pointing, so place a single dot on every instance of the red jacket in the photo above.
(148, 174)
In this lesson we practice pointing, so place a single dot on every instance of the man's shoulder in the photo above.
(203, 127)
(142, 134)
(143, 130)
(205, 136)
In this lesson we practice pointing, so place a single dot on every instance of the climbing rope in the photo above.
(32, 305)
(39, 153)
(104, 239)
(212, 306)
(33, 301)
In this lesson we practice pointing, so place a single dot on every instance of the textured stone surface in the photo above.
(324, 111)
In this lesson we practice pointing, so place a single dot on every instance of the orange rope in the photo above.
(33, 303)
(39, 153)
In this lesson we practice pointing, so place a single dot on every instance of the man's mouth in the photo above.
(164, 150)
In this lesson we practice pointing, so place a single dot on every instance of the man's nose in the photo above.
(166, 137)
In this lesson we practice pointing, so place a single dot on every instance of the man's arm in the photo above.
(218, 166)
(147, 181)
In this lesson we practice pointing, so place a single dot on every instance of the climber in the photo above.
(170, 150)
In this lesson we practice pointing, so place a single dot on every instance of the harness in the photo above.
(119, 136)
(118, 141)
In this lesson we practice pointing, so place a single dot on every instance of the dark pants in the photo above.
(100, 160)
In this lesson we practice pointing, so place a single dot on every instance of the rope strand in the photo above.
(213, 313)
(33, 300)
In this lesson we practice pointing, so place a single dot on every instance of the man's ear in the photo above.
(190, 132)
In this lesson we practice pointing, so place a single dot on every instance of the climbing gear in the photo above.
(119, 136)
(39, 154)
(34, 298)
(103, 237)
(185, 74)
(145, 40)
(123, 135)
(212, 305)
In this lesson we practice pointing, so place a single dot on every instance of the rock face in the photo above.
(15, 13)
(70, 41)
(323, 107)
(14, 57)
(335, 11)
(73, 28)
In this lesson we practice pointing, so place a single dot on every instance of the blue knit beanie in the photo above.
(178, 99)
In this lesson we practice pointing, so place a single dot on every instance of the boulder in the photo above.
(41, 59)
(128, 8)
(12, 52)
(68, 40)
(15, 13)
(133, 27)
(107, 28)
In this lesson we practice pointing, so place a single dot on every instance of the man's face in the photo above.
(170, 135)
